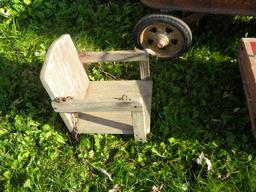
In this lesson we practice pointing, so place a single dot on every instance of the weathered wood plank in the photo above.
(139, 125)
(82, 105)
(123, 90)
(63, 74)
(111, 56)
(105, 122)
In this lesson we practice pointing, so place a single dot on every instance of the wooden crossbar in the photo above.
(123, 56)
(80, 105)
(111, 56)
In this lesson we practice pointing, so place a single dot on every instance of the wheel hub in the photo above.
(162, 39)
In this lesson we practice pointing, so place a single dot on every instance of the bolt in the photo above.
(162, 41)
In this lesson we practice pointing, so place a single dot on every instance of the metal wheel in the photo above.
(164, 36)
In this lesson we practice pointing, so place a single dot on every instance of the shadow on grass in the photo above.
(202, 104)
(202, 94)
(22, 93)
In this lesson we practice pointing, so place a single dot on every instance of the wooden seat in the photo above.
(105, 107)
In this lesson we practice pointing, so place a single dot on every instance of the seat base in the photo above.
(115, 122)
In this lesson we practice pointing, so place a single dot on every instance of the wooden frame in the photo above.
(106, 107)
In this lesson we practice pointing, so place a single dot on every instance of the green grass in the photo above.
(198, 105)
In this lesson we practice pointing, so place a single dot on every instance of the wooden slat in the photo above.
(110, 56)
(73, 106)
(105, 123)
(139, 125)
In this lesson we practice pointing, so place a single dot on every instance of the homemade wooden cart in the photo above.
(105, 107)
(167, 36)
(247, 61)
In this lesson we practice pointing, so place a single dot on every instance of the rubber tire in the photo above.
(168, 19)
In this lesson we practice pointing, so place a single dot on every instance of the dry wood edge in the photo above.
(74, 106)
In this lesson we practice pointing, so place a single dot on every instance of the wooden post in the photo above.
(139, 124)
(144, 70)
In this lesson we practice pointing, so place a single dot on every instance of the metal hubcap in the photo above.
(163, 39)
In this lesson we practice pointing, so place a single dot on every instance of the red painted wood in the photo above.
(253, 46)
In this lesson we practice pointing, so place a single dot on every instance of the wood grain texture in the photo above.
(139, 125)
(105, 123)
(133, 89)
(139, 91)
(63, 74)
(85, 105)
(111, 56)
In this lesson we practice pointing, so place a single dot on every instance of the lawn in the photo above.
(198, 107)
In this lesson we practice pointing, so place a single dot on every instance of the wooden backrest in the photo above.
(63, 74)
